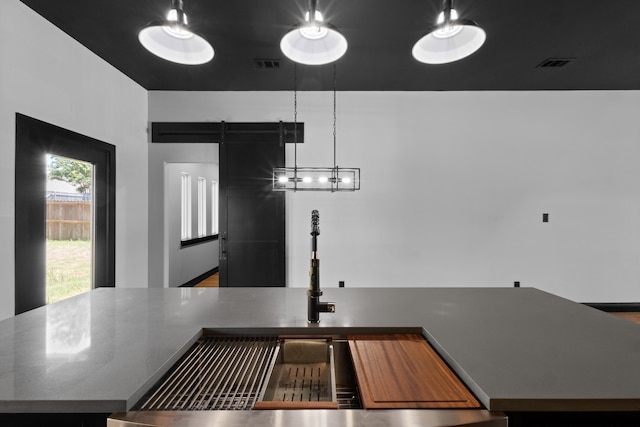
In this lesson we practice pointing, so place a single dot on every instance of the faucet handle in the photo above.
(315, 223)
(327, 307)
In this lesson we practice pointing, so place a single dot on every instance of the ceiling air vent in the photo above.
(554, 62)
(267, 64)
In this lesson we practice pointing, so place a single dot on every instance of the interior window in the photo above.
(202, 207)
(185, 206)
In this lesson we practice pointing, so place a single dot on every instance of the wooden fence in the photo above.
(68, 220)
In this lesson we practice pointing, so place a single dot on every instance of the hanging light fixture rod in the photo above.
(446, 9)
(313, 8)
(335, 163)
(178, 6)
(295, 126)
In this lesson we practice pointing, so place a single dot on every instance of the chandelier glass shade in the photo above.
(316, 179)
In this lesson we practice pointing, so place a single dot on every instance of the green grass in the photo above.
(68, 268)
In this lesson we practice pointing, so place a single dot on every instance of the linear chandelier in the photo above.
(315, 178)
(173, 40)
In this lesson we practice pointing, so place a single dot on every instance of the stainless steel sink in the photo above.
(258, 372)
(310, 373)
(302, 375)
(222, 378)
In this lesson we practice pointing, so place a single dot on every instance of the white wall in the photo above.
(47, 75)
(185, 264)
(454, 185)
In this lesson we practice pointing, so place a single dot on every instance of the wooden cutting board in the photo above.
(403, 371)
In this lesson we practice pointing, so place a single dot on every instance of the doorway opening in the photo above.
(190, 222)
(69, 222)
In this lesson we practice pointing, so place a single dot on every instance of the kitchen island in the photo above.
(521, 351)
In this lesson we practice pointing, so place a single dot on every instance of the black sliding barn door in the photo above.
(252, 215)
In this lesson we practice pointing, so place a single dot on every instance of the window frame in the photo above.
(215, 208)
(202, 207)
(185, 207)
(187, 203)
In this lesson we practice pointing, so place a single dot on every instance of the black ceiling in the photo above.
(599, 37)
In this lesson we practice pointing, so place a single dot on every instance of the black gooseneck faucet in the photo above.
(314, 306)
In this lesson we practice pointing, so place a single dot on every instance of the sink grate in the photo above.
(218, 373)
(307, 383)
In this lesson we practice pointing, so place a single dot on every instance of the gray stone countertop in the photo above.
(517, 349)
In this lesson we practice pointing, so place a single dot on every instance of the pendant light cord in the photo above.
(295, 116)
(177, 4)
(295, 127)
(447, 5)
(335, 165)
(313, 6)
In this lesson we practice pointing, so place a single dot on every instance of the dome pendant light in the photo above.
(174, 41)
(313, 42)
(450, 40)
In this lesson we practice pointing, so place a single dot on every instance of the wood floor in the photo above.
(634, 317)
(209, 282)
